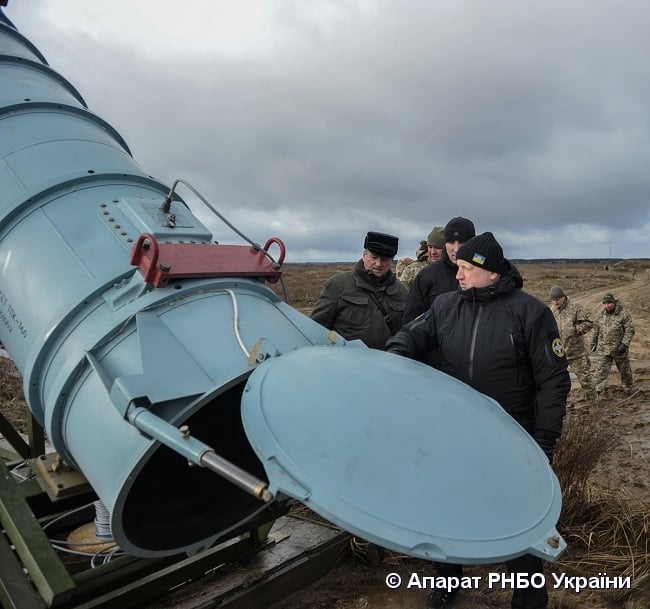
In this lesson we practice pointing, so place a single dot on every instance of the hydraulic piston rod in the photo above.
(180, 440)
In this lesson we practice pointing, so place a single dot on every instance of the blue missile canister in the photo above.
(190, 395)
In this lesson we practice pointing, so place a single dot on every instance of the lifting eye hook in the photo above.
(280, 244)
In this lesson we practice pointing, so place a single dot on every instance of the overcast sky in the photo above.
(318, 120)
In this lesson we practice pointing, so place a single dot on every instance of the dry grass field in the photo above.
(603, 463)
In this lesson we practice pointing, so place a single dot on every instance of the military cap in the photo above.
(436, 237)
(381, 244)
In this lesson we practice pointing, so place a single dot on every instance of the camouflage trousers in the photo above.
(605, 365)
(581, 367)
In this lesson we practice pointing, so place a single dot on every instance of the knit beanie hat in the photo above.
(483, 251)
(459, 229)
(609, 298)
(436, 237)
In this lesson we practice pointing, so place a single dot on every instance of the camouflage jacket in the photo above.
(345, 306)
(410, 272)
(402, 265)
(573, 322)
(612, 329)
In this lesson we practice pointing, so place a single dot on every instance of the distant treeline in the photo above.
(603, 261)
(608, 261)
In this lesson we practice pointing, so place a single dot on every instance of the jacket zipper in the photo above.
(472, 345)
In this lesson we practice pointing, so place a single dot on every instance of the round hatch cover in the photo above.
(401, 455)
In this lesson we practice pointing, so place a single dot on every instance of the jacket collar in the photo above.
(368, 281)
(510, 280)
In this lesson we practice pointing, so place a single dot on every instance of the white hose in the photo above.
(236, 323)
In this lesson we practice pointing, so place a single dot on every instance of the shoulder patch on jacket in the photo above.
(557, 347)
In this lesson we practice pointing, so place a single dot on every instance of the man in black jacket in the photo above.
(440, 276)
(505, 343)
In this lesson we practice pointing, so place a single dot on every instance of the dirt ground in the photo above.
(624, 469)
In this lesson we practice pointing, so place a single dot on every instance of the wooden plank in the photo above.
(303, 552)
(49, 575)
(57, 479)
(295, 575)
(139, 579)
(160, 581)
(15, 590)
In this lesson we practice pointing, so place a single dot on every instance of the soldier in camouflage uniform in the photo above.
(401, 265)
(613, 332)
(408, 274)
(430, 251)
(574, 322)
(436, 243)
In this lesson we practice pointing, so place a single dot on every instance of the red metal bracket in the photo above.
(161, 263)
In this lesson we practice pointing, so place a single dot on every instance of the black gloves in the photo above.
(621, 349)
(548, 447)
(546, 441)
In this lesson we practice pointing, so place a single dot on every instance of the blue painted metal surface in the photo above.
(402, 455)
(114, 366)
(95, 342)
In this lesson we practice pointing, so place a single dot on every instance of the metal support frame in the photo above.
(34, 576)
(36, 445)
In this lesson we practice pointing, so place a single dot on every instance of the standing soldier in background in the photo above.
(574, 323)
(430, 251)
(366, 303)
(422, 259)
(401, 266)
(613, 333)
(436, 243)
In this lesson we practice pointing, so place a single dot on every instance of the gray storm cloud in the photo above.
(528, 117)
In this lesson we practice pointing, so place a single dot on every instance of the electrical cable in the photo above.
(236, 323)
(65, 546)
(166, 207)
